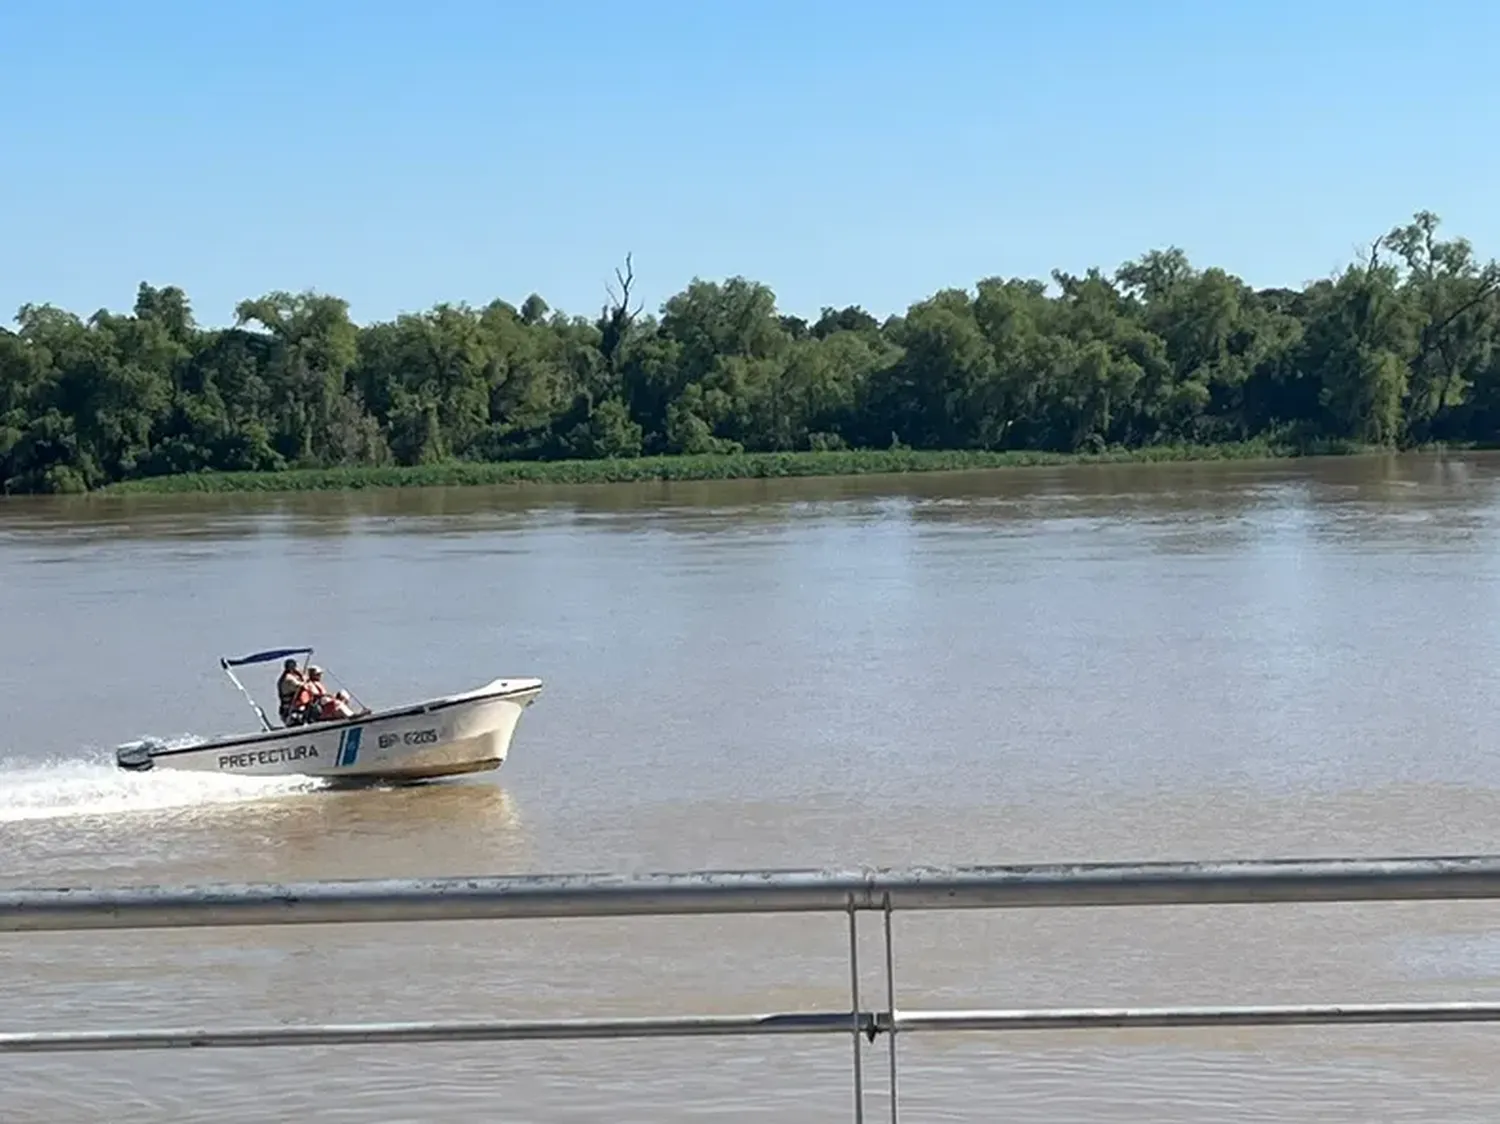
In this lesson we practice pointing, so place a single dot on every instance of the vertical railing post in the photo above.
(890, 999)
(859, 1079)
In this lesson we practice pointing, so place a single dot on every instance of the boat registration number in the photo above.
(411, 737)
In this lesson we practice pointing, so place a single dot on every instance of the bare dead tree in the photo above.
(626, 280)
(617, 317)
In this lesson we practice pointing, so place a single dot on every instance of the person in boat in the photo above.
(337, 705)
(287, 688)
(308, 692)
(315, 703)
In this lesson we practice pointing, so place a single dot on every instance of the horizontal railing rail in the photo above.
(1056, 885)
(740, 892)
(871, 1024)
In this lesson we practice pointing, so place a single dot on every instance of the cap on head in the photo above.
(289, 665)
(314, 670)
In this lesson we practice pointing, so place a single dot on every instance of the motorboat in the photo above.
(469, 732)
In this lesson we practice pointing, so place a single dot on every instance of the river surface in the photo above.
(1144, 662)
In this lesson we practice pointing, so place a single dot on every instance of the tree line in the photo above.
(1399, 348)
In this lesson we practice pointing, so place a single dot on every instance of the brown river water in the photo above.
(1178, 662)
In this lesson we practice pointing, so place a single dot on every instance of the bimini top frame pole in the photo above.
(267, 656)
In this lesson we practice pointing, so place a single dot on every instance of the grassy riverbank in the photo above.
(740, 466)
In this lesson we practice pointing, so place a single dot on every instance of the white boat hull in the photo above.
(465, 733)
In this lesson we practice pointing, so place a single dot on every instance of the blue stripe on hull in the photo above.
(349, 746)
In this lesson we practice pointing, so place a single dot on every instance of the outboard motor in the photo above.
(137, 756)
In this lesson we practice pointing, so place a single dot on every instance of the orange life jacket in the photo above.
(310, 690)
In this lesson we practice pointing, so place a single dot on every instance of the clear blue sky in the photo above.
(401, 154)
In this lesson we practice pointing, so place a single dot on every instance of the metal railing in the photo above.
(742, 892)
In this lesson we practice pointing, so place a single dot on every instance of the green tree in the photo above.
(1399, 347)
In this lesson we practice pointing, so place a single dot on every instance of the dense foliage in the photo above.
(1400, 348)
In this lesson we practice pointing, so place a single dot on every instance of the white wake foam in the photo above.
(96, 786)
